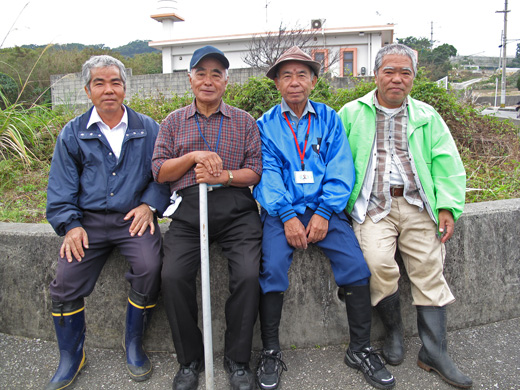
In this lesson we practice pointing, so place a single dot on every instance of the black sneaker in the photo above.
(372, 366)
(187, 378)
(240, 375)
(270, 368)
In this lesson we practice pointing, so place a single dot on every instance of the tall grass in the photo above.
(23, 126)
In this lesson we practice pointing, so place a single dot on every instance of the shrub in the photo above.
(256, 96)
(158, 108)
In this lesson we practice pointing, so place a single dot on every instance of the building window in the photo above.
(321, 56)
(348, 62)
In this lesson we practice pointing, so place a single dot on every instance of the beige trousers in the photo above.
(423, 254)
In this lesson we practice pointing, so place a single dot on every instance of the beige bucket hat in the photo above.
(294, 54)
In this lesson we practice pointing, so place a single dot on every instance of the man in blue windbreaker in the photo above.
(307, 178)
(102, 195)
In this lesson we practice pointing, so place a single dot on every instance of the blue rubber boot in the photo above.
(138, 315)
(69, 322)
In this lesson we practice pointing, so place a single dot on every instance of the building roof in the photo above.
(388, 28)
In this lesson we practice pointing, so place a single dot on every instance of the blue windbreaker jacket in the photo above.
(327, 155)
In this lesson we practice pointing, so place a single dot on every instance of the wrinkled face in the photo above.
(208, 81)
(394, 80)
(107, 90)
(295, 81)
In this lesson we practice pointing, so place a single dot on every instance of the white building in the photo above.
(354, 47)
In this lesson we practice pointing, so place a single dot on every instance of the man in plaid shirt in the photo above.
(211, 142)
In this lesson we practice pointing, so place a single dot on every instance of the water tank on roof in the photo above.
(167, 6)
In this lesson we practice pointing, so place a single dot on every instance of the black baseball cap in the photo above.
(208, 51)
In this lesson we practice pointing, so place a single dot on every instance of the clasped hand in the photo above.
(299, 236)
(208, 168)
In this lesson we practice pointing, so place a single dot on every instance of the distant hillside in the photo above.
(135, 47)
(129, 50)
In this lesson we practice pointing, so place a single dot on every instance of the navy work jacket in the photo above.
(86, 175)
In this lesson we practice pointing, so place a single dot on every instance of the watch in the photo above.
(230, 178)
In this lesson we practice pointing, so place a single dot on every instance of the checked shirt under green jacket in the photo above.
(442, 178)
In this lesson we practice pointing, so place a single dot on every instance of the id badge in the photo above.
(303, 177)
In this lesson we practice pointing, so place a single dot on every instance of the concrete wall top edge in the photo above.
(10, 228)
(496, 206)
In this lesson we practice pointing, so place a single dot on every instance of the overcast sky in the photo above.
(473, 27)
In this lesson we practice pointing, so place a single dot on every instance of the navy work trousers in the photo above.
(105, 232)
(339, 245)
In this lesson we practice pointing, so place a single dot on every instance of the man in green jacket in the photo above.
(409, 191)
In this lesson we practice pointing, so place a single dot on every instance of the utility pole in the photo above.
(431, 36)
(504, 59)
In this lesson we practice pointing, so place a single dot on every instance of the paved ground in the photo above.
(489, 354)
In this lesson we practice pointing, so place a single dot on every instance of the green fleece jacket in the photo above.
(434, 153)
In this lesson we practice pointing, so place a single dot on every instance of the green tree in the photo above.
(145, 63)
(436, 61)
(419, 44)
(442, 54)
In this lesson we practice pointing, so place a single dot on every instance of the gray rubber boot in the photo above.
(433, 355)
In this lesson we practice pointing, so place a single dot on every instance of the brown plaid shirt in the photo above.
(391, 143)
(239, 146)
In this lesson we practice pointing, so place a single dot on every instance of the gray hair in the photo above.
(102, 61)
(397, 49)
(194, 70)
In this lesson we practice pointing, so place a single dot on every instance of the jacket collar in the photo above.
(134, 122)
(417, 117)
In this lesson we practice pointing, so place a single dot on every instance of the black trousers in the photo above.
(234, 222)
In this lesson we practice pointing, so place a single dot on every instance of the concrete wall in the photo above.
(511, 100)
(482, 268)
(68, 89)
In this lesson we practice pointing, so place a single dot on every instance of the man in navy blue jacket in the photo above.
(101, 195)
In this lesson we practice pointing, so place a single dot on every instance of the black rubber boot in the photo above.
(69, 322)
(433, 355)
(360, 355)
(138, 314)
(389, 310)
(271, 305)
(359, 315)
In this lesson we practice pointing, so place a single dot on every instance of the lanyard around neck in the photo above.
(204, 138)
(302, 155)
